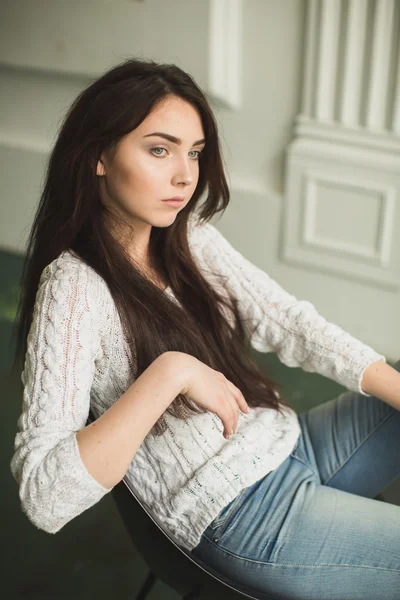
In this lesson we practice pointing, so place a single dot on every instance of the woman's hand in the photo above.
(211, 390)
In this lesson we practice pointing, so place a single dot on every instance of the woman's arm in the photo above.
(62, 465)
(382, 381)
(108, 445)
(275, 320)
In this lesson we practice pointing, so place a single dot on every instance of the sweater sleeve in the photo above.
(54, 484)
(276, 321)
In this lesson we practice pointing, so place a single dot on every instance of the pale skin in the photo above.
(144, 170)
(383, 381)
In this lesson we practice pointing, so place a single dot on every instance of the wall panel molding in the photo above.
(225, 52)
(377, 254)
(345, 155)
(317, 173)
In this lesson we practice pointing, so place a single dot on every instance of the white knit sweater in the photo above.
(77, 357)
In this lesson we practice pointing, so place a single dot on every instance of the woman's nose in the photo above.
(183, 172)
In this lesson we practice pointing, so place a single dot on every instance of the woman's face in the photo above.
(145, 169)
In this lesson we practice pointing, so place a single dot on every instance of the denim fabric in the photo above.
(312, 529)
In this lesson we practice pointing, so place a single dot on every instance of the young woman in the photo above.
(140, 310)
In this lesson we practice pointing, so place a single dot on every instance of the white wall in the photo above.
(50, 49)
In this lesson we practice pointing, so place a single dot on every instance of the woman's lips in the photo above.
(173, 203)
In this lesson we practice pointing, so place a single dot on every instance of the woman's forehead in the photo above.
(176, 118)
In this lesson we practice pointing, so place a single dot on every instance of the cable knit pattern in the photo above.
(77, 357)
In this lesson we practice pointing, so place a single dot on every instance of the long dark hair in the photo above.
(71, 216)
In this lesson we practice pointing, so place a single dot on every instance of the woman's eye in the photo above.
(154, 151)
(158, 148)
(198, 154)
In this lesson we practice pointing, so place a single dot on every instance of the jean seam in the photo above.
(302, 460)
(315, 566)
(306, 464)
(359, 446)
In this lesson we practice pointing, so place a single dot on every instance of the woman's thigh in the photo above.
(353, 443)
(311, 529)
(316, 543)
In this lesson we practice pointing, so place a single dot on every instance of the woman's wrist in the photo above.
(178, 368)
(383, 381)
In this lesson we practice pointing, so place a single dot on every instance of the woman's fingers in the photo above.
(236, 400)
(232, 418)
(244, 407)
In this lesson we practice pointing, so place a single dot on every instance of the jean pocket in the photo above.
(222, 520)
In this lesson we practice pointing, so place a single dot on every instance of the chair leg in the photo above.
(147, 586)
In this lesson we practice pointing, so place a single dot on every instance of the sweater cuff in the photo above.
(93, 484)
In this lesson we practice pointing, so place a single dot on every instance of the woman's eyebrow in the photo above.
(172, 138)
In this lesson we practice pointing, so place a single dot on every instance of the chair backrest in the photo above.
(168, 560)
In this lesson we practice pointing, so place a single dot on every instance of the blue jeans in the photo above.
(311, 529)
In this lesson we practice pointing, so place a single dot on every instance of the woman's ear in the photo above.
(100, 167)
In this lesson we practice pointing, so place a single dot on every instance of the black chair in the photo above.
(166, 559)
